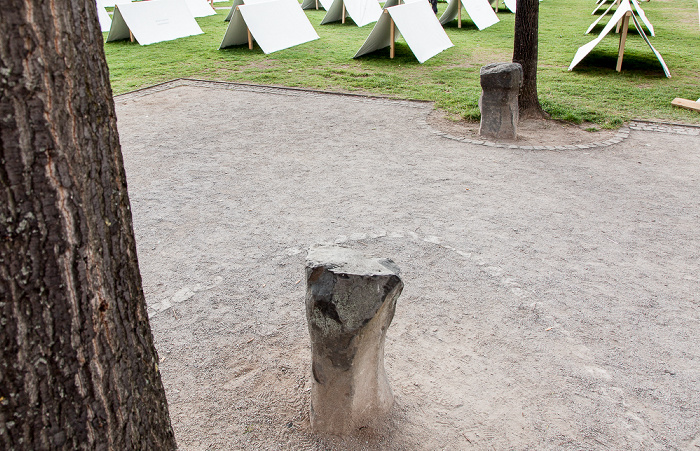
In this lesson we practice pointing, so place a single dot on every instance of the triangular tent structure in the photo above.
(479, 10)
(623, 13)
(274, 24)
(152, 21)
(233, 9)
(362, 12)
(637, 8)
(200, 8)
(105, 20)
(316, 4)
(419, 26)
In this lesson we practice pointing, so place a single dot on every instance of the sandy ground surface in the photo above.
(551, 298)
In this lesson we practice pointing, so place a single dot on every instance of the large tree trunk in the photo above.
(78, 368)
(525, 53)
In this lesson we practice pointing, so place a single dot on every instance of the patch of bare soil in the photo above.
(531, 132)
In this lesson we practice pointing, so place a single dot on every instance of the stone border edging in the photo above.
(621, 135)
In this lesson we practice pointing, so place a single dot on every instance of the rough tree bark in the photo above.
(525, 53)
(78, 368)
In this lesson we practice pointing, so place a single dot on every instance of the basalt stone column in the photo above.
(350, 302)
(500, 84)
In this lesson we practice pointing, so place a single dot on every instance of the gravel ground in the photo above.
(551, 300)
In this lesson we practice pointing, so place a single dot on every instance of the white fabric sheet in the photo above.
(510, 4)
(274, 24)
(639, 10)
(658, 55)
(418, 25)
(105, 20)
(379, 37)
(153, 21)
(640, 13)
(585, 49)
(622, 9)
(233, 9)
(479, 11)
(421, 29)
(200, 8)
(362, 12)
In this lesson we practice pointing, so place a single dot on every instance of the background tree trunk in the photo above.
(525, 53)
(78, 369)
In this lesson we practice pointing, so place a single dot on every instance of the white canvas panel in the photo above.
(362, 12)
(510, 4)
(380, 37)
(599, 4)
(479, 11)
(236, 32)
(200, 8)
(421, 29)
(153, 21)
(584, 50)
(278, 24)
(595, 22)
(105, 20)
(311, 4)
(274, 24)
(658, 55)
(334, 12)
(233, 9)
(640, 13)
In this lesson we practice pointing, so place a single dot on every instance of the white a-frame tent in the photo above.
(274, 24)
(623, 14)
(418, 25)
(479, 10)
(152, 21)
(637, 8)
(233, 9)
(362, 12)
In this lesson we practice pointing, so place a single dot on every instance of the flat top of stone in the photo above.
(341, 260)
(495, 68)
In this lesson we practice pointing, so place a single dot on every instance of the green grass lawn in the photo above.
(593, 91)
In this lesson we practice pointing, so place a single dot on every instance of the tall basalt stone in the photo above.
(500, 84)
(350, 303)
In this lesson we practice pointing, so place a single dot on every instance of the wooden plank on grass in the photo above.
(685, 103)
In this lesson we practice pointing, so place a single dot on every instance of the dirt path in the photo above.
(551, 301)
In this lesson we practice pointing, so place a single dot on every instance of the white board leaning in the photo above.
(418, 25)
(637, 8)
(200, 8)
(274, 24)
(479, 11)
(105, 20)
(622, 9)
(362, 12)
(153, 21)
